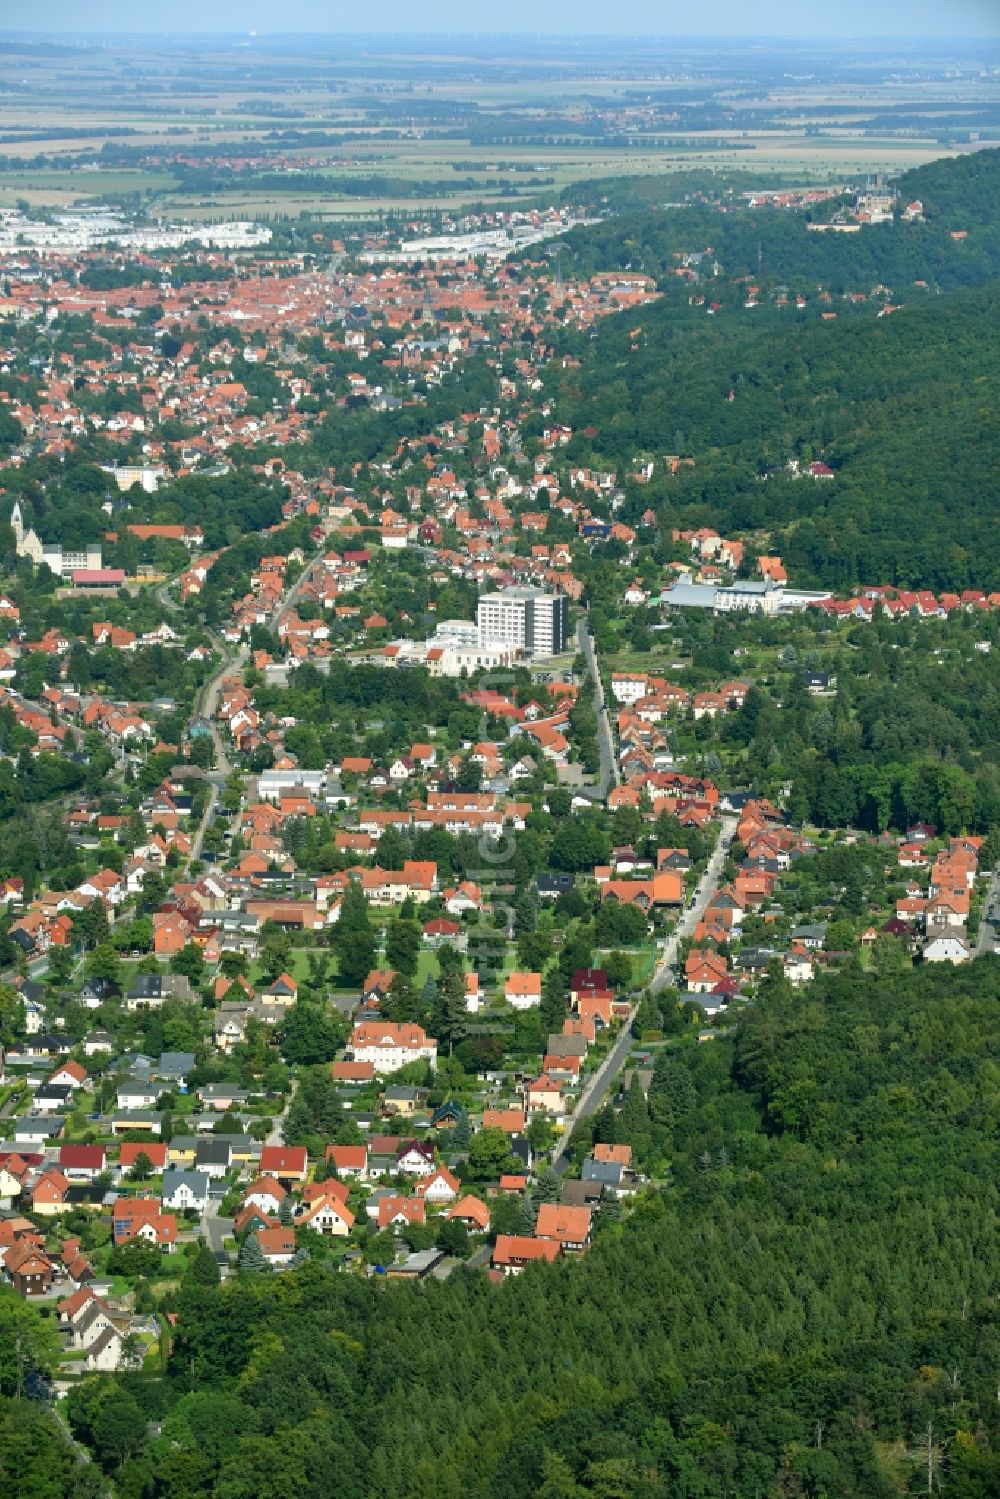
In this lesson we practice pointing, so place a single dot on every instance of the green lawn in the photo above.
(643, 961)
(427, 964)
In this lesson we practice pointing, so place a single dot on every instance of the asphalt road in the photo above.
(608, 775)
(216, 1229)
(593, 1094)
(692, 914)
(988, 941)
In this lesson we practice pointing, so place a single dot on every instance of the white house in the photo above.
(91, 1320)
(523, 990)
(440, 1186)
(106, 1354)
(466, 897)
(266, 1194)
(473, 993)
(185, 1189)
(416, 1160)
(389, 1046)
(947, 949)
(132, 1096)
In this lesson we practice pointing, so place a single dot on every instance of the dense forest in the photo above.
(904, 409)
(806, 1307)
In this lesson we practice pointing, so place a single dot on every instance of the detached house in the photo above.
(440, 1186)
(471, 1211)
(512, 1252)
(185, 1189)
(523, 990)
(141, 1218)
(289, 1163)
(703, 970)
(569, 1227)
(413, 1159)
(327, 1214)
(349, 1160)
(544, 1096)
(28, 1268)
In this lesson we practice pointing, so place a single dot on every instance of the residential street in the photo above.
(988, 940)
(664, 975)
(593, 1094)
(208, 701)
(605, 738)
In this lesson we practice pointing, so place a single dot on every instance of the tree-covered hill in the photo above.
(814, 1290)
(904, 408)
(957, 192)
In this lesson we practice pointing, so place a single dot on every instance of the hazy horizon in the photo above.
(896, 21)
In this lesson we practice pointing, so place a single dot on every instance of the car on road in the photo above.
(36, 1386)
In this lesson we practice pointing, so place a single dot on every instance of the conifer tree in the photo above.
(252, 1260)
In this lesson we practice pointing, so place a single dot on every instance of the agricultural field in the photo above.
(250, 128)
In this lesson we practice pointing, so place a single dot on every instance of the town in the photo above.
(417, 782)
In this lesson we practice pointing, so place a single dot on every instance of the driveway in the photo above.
(216, 1229)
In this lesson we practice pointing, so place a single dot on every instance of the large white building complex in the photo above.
(524, 619)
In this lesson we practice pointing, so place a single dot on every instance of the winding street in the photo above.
(207, 703)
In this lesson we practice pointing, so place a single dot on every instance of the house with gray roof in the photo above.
(184, 1189)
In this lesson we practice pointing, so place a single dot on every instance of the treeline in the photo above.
(371, 185)
(778, 246)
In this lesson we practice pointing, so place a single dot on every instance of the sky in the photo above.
(901, 19)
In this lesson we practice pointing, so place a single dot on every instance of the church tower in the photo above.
(17, 525)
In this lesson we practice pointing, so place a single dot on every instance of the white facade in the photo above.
(525, 619)
(185, 1189)
(147, 476)
(272, 785)
(626, 688)
(457, 632)
(947, 950)
(389, 1047)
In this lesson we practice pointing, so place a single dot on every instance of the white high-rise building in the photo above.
(524, 619)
